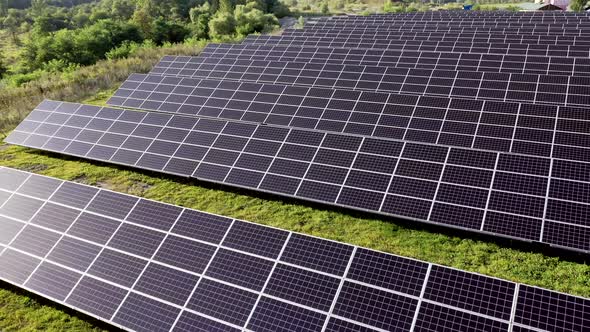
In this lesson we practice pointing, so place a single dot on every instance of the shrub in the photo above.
(222, 24)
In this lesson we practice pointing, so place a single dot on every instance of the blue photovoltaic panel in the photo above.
(520, 64)
(490, 125)
(479, 37)
(521, 196)
(579, 49)
(528, 88)
(310, 285)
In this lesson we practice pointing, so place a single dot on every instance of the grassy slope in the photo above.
(18, 311)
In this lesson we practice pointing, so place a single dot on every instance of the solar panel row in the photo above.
(543, 89)
(524, 197)
(444, 36)
(518, 64)
(461, 15)
(430, 46)
(510, 127)
(144, 265)
(498, 30)
(554, 27)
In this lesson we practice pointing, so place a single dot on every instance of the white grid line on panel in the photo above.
(549, 179)
(514, 305)
(438, 183)
(335, 299)
(261, 293)
(28, 221)
(138, 277)
(62, 235)
(421, 298)
(490, 189)
(184, 308)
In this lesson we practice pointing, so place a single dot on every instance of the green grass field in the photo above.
(20, 311)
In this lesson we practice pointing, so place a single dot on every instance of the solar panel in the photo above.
(491, 30)
(222, 278)
(542, 89)
(425, 45)
(497, 126)
(505, 194)
(443, 36)
(581, 27)
(519, 64)
(555, 30)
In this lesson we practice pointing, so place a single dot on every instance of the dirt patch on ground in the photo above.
(81, 179)
(33, 168)
(139, 188)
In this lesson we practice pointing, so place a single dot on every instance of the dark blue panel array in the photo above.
(529, 88)
(300, 283)
(520, 64)
(515, 195)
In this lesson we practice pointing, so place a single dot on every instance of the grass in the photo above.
(95, 81)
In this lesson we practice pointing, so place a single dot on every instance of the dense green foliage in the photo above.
(57, 37)
(578, 5)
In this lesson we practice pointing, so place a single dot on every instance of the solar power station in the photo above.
(470, 120)
(144, 265)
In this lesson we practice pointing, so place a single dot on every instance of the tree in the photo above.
(38, 7)
(122, 9)
(11, 25)
(165, 31)
(47, 23)
(324, 9)
(578, 5)
(251, 19)
(3, 67)
(82, 46)
(3, 7)
(225, 6)
(143, 20)
(199, 17)
(222, 24)
(80, 20)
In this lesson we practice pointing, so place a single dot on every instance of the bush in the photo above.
(222, 24)
(83, 46)
(280, 10)
(249, 19)
(165, 31)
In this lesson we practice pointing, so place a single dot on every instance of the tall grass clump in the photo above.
(17, 101)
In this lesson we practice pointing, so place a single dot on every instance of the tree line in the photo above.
(51, 37)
